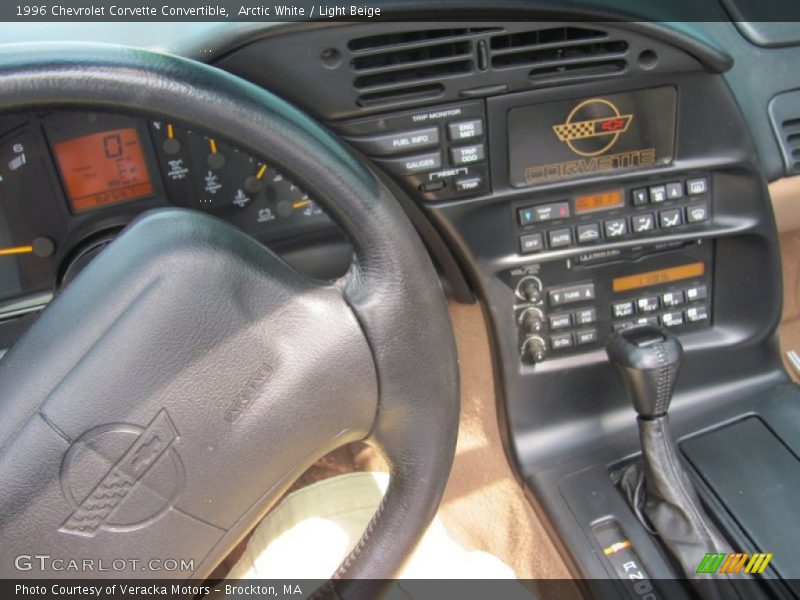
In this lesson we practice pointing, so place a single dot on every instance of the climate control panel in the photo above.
(563, 307)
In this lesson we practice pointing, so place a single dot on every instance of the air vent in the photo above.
(791, 132)
(408, 66)
(560, 53)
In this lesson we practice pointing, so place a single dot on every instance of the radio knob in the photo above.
(535, 349)
(533, 320)
(530, 289)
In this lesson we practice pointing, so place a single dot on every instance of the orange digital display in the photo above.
(103, 168)
(601, 201)
(633, 282)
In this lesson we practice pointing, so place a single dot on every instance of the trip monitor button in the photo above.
(465, 155)
(397, 143)
(465, 130)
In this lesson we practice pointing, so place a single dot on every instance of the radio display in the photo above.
(584, 137)
(102, 169)
(601, 201)
(634, 282)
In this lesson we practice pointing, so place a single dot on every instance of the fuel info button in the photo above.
(397, 143)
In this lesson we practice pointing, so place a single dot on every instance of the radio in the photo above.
(568, 306)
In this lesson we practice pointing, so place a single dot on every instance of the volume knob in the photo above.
(530, 289)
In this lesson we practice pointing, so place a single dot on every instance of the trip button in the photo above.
(395, 143)
(571, 294)
(561, 341)
(465, 130)
(413, 164)
(472, 184)
(465, 155)
(532, 242)
(648, 304)
(559, 238)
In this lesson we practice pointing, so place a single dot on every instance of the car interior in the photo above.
(507, 292)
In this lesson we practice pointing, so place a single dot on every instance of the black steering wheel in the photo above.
(171, 394)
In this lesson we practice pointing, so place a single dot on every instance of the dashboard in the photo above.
(72, 181)
(575, 177)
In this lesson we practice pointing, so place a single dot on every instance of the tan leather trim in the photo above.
(785, 194)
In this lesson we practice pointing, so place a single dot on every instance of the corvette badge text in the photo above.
(591, 129)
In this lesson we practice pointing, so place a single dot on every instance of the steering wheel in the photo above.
(169, 396)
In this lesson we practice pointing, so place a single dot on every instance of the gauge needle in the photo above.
(16, 250)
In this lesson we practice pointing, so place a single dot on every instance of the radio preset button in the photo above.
(586, 336)
(616, 228)
(670, 218)
(698, 186)
(588, 233)
(647, 305)
(697, 213)
(559, 238)
(675, 190)
(532, 242)
(465, 130)
(696, 293)
(562, 321)
(571, 294)
(585, 316)
(622, 309)
(658, 194)
(643, 223)
(561, 341)
(465, 155)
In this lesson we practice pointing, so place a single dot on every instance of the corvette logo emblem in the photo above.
(593, 127)
(121, 477)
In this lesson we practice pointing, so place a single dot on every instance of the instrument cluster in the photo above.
(71, 181)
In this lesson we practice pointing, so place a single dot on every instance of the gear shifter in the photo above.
(647, 358)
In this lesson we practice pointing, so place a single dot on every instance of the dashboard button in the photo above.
(675, 190)
(586, 336)
(532, 242)
(544, 212)
(639, 197)
(622, 309)
(670, 218)
(396, 143)
(672, 299)
(658, 194)
(471, 184)
(587, 233)
(585, 316)
(696, 293)
(643, 223)
(558, 238)
(562, 321)
(413, 164)
(697, 213)
(697, 314)
(672, 319)
(465, 155)
(465, 130)
(698, 186)
(648, 304)
(432, 186)
(561, 341)
(616, 228)
(651, 320)
(571, 294)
